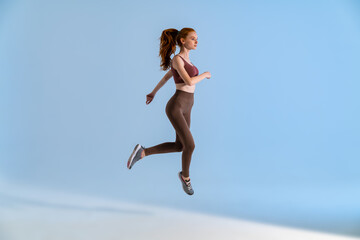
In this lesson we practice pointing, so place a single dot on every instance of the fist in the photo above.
(149, 98)
(208, 75)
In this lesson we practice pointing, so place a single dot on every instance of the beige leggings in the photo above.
(178, 110)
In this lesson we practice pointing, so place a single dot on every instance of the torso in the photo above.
(183, 86)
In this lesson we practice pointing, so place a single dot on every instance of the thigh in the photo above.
(181, 126)
(187, 117)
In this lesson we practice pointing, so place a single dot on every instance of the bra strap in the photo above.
(185, 61)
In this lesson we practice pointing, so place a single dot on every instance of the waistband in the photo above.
(183, 92)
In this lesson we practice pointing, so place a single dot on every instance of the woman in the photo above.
(178, 108)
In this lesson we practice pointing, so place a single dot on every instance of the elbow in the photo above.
(189, 82)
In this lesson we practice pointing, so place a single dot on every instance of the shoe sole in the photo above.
(131, 158)
(182, 184)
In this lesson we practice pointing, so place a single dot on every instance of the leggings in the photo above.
(178, 110)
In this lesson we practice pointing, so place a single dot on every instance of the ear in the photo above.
(182, 40)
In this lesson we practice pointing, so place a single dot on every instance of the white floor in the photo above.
(38, 214)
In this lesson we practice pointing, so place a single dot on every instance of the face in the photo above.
(191, 41)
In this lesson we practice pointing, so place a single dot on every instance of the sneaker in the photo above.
(186, 184)
(135, 156)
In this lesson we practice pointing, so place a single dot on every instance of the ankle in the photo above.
(143, 154)
(186, 178)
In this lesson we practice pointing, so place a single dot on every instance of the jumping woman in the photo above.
(178, 108)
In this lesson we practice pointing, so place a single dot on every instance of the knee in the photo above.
(190, 146)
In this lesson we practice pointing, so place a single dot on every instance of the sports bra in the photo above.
(191, 70)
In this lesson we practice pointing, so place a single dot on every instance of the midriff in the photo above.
(186, 88)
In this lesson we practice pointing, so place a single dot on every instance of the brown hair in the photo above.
(168, 41)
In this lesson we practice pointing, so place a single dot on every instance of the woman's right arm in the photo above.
(151, 95)
(179, 66)
(167, 76)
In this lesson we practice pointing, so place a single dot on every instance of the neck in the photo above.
(185, 53)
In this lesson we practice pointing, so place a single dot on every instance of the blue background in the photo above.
(276, 128)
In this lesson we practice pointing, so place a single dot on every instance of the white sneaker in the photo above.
(186, 184)
(135, 156)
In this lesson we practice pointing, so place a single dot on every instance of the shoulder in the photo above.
(176, 58)
(177, 61)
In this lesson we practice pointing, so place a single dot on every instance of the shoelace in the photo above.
(188, 183)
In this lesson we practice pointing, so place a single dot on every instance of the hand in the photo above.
(149, 97)
(207, 75)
